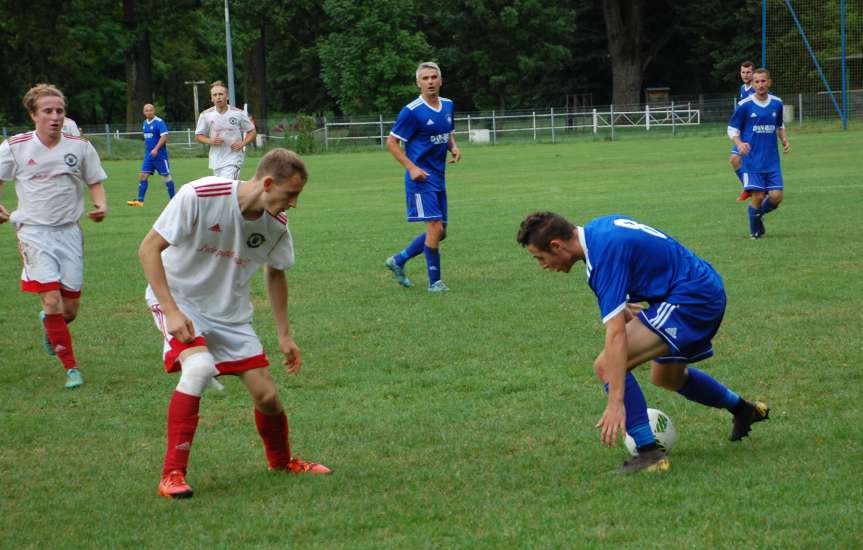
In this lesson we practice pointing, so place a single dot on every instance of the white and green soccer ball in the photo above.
(663, 430)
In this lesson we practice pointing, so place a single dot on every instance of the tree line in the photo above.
(351, 57)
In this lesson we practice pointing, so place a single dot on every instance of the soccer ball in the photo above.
(663, 430)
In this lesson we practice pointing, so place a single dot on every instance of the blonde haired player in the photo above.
(199, 258)
(51, 170)
(227, 130)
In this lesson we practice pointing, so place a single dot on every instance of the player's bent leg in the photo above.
(58, 336)
(198, 370)
(272, 425)
(434, 234)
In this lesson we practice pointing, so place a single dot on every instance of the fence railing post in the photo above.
(534, 126)
(108, 138)
(595, 123)
(673, 127)
(381, 123)
(611, 116)
(468, 128)
(647, 116)
(552, 124)
(326, 135)
(4, 133)
(493, 129)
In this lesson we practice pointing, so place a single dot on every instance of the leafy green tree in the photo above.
(369, 57)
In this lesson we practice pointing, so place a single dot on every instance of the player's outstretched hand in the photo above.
(418, 174)
(293, 360)
(180, 327)
(612, 424)
(4, 214)
(98, 213)
(456, 155)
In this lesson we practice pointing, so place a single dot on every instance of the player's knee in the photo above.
(667, 378)
(52, 302)
(776, 199)
(198, 370)
(267, 401)
(599, 367)
(70, 316)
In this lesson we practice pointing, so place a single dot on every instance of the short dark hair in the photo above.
(748, 64)
(761, 70)
(281, 164)
(539, 228)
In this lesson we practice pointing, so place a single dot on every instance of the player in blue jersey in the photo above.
(155, 155)
(746, 89)
(628, 262)
(753, 128)
(426, 127)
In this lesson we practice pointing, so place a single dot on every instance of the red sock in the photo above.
(182, 423)
(60, 339)
(274, 432)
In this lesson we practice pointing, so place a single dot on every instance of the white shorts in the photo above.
(228, 172)
(53, 258)
(236, 348)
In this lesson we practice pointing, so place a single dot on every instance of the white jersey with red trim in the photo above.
(215, 251)
(71, 127)
(230, 126)
(49, 182)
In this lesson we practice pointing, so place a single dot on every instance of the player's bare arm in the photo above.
(4, 214)
(395, 149)
(612, 425)
(150, 253)
(100, 205)
(277, 289)
(783, 137)
(453, 149)
(250, 135)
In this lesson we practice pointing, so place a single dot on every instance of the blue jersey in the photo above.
(631, 262)
(425, 133)
(757, 123)
(746, 91)
(153, 131)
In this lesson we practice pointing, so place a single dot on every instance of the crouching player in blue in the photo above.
(155, 155)
(753, 128)
(628, 262)
(426, 127)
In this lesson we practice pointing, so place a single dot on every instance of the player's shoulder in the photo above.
(210, 186)
(281, 219)
(20, 138)
(774, 99)
(746, 100)
(415, 104)
(74, 138)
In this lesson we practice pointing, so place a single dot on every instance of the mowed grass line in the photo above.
(464, 419)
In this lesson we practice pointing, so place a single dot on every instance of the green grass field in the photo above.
(465, 419)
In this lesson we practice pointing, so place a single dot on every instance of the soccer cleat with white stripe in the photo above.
(399, 272)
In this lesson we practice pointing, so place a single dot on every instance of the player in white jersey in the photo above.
(51, 170)
(746, 89)
(199, 259)
(71, 127)
(227, 130)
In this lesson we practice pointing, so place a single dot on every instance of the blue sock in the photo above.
(637, 422)
(170, 185)
(432, 264)
(703, 388)
(413, 249)
(142, 190)
(754, 217)
(767, 206)
(739, 173)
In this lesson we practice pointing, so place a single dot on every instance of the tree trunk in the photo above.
(255, 86)
(138, 63)
(623, 26)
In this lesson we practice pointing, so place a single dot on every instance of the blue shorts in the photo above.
(151, 165)
(763, 181)
(426, 207)
(686, 327)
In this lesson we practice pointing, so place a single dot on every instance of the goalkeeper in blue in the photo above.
(628, 263)
(425, 126)
(753, 128)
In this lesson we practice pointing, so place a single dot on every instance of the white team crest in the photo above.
(429, 122)
(774, 114)
(449, 119)
(672, 332)
(752, 115)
